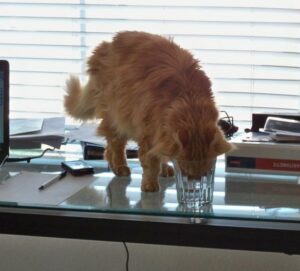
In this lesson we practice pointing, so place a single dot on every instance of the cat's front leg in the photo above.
(151, 169)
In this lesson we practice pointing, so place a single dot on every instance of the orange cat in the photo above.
(146, 88)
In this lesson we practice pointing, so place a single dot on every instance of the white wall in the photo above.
(20, 253)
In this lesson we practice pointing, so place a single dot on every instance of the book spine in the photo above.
(285, 165)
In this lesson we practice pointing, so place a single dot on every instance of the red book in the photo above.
(264, 157)
(236, 163)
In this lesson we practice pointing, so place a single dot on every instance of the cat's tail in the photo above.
(78, 101)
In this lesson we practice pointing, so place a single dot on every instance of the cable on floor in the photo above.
(127, 256)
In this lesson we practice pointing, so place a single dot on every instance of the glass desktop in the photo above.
(268, 197)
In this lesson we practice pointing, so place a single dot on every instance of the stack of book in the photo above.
(276, 149)
(263, 157)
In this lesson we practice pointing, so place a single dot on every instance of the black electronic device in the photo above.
(96, 152)
(227, 125)
(77, 168)
(93, 152)
(4, 110)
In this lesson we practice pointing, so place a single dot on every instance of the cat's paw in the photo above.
(150, 186)
(122, 171)
(167, 171)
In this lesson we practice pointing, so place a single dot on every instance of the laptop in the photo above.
(4, 110)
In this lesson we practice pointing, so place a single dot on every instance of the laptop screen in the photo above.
(4, 101)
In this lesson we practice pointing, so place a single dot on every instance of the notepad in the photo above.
(24, 188)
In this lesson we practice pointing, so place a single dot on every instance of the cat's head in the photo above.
(194, 136)
(196, 155)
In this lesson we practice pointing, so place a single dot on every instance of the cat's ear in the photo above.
(220, 145)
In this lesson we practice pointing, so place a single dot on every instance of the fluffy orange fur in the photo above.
(146, 88)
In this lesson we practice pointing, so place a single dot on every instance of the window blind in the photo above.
(249, 49)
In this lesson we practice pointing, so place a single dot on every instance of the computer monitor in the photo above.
(4, 110)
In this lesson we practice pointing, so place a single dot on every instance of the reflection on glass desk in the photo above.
(251, 196)
(234, 196)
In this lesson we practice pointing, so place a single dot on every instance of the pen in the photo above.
(52, 181)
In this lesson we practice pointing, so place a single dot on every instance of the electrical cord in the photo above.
(127, 256)
(3, 161)
(28, 159)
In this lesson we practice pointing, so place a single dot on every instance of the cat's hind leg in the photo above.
(115, 152)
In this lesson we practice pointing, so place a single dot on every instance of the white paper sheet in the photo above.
(24, 188)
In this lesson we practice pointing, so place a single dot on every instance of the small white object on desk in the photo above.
(51, 133)
(25, 126)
